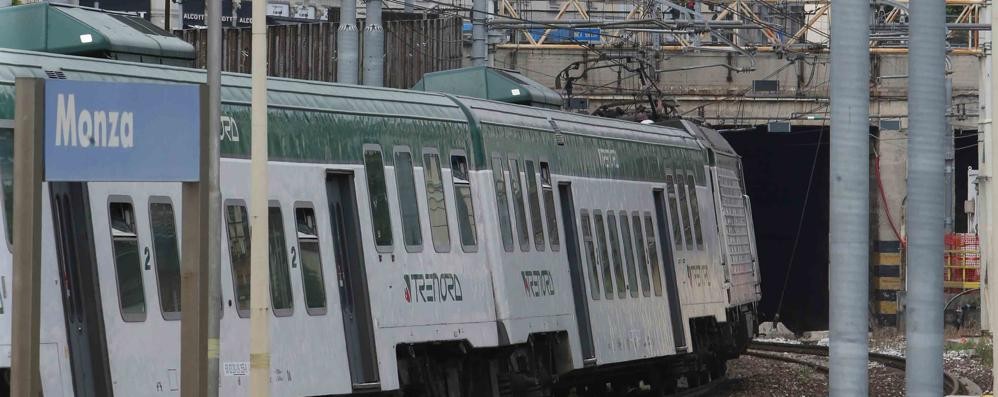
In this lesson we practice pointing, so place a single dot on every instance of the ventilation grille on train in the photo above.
(55, 74)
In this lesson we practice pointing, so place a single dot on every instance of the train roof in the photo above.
(501, 113)
(343, 98)
(302, 94)
(709, 135)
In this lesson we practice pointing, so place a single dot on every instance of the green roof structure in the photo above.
(490, 83)
(54, 28)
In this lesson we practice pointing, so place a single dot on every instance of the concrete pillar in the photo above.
(887, 197)
(156, 14)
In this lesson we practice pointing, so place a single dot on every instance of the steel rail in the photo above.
(952, 383)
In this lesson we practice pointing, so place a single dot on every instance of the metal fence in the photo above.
(413, 47)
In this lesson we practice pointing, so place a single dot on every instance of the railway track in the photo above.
(952, 383)
(703, 390)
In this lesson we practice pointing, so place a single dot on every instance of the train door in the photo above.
(80, 289)
(352, 280)
(575, 271)
(671, 285)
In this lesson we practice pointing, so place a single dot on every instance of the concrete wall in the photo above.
(726, 97)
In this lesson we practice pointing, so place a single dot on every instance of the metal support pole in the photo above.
(927, 123)
(374, 46)
(347, 44)
(259, 249)
(479, 49)
(193, 270)
(166, 16)
(236, 5)
(28, 144)
(213, 16)
(990, 201)
(850, 198)
(949, 168)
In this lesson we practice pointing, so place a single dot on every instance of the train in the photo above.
(421, 244)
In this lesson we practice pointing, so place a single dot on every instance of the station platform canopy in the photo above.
(61, 29)
(490, 83)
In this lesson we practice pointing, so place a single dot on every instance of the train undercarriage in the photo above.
(541, 367)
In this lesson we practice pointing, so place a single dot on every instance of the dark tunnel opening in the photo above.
(778, 168)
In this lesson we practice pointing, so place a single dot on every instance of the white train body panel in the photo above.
(633, 231)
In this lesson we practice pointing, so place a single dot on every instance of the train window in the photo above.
(677, 228)
(697, 229)
(237, 226)
(281, 299)
(374, 166)
(684, 210)
(642, 253)
(164, 246)
(461, 178)
(625, 236)
(499, 169)
(521, 218)
(436, 203)
(127, 265)
(412, 234)
(549, 211)
(534, 199)
(603, 255)
(656, 270)
(7, 180)
(618, 265)
(587, 239)
(311, 261)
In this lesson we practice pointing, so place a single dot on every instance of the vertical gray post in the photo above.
(927, 123)
(850, 202)
(988, 154)
(236, 5)
(374, 46)
(479, 48)
(166, 16)
(200, 252)
(28, 169)
(347, 47)
(193, 272)
(213, 16)
(950, 167)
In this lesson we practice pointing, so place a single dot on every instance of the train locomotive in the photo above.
(421, 244)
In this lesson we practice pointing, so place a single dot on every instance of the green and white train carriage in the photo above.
(419, 242)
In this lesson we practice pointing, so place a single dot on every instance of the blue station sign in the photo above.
(121, 132)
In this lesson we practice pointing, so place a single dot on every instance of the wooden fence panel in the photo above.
(413, 47)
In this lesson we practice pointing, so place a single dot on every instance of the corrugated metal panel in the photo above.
(308, 51)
